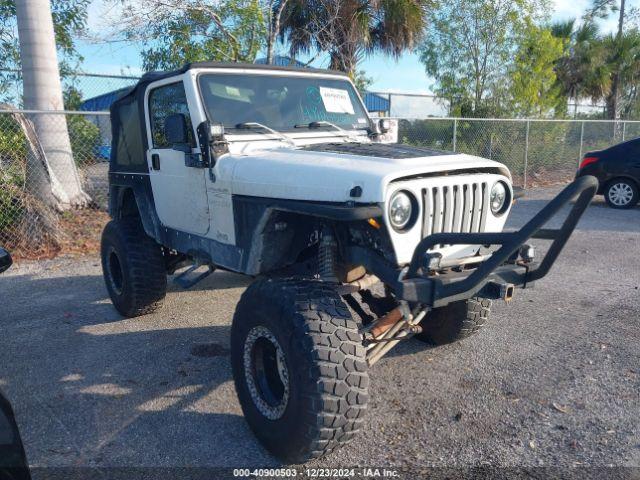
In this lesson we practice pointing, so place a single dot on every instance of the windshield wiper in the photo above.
(324, 123)
(281, 136)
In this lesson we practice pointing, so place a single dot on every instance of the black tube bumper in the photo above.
(503, 269)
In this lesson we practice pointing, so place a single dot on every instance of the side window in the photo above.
(165, 101)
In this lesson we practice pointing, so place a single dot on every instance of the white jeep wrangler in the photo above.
(280, 174)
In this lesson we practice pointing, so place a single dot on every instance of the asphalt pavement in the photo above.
(553, 379)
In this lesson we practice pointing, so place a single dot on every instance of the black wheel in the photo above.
(133, 268)
(456, 321)
(621, 193)
(299, 367)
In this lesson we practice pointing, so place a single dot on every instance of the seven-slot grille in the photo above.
(455, 208)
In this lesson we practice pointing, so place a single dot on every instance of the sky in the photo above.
(404, 75)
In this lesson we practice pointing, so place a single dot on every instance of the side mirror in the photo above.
(384, 125)
(175, 129)
(5, 260)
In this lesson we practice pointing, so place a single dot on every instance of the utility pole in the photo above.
(42, 90)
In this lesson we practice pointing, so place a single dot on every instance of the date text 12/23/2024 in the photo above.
(363, 472)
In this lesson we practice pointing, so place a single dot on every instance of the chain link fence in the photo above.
(87, 85)
(38, 218)
(537, 152)
(424, 105)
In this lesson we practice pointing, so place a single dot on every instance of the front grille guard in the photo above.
(501, 268)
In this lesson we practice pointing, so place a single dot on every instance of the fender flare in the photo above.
(140, 186)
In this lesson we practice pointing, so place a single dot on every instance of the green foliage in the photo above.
(623, 58)
(69, 19)
(361, 81)
(13, 151)
(85, 138)
(72, 98)
(348, 30)
(10, 206)
(232, 30)
(582, 70)
(553, 146)
(534, 86)
(469, 47)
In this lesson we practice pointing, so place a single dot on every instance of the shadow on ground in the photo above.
(102, 390)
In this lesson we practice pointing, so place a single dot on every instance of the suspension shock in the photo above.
(327, 252)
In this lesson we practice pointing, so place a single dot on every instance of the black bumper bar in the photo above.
(503, 267)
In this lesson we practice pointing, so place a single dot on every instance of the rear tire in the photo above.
(133, 268)
(299, 367)
(455, 322)
(621, 193)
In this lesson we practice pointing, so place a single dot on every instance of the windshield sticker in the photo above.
(233, 91)
(230, 92)
(336, 100)
(362, 120)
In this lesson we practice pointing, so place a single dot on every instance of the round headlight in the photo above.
(400, 210)
(498, 198)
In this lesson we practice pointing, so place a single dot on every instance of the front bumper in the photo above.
(502, 270)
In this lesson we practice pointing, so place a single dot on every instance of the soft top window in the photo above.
(127, 144)
(279, 101)
(164, 101)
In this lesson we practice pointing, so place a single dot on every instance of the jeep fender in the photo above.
(134, 193)
(273, 232)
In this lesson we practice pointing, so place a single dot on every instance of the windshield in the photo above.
(281, 102)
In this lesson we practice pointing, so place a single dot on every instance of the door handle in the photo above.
(155, 161)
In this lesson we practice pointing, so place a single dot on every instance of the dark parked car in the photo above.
(618, 170)
(13, 462)
(5, 260)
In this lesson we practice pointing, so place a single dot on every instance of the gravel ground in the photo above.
(553, 380)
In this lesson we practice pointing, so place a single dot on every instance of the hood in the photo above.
(328, 172)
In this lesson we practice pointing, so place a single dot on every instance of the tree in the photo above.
(469, 47)
(361, 81)
(350, 29)
(69, 19)
(43, 91)
(534, 86)
(601, 9)
(623, 57)
(583, 70)
(175, 32)
(273, 12)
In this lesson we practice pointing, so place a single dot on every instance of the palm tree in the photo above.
(584, 69)
(43, 91)
(624, 58)
(350, 29)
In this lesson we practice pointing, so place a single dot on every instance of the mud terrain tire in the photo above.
(455, 322)
(299, 367)
(133, 268)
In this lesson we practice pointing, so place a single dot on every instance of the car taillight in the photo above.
(588, 160)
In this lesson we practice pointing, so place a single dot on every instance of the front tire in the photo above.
(133, 268)
(299, 367)
(621, 193)
(455, 322)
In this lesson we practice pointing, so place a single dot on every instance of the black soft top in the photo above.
(153, 76)
(129, 137)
